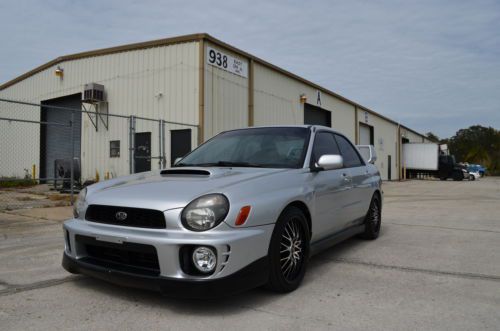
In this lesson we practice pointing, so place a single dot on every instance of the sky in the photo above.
(431, 65)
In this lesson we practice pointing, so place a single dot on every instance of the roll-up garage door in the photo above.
(365, 134)
(56, 140)
(315, 115)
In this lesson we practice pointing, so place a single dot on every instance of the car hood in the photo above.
(171, 188)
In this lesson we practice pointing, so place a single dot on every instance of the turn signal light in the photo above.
(243, 215)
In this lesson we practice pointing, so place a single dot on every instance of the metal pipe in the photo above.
(162, 159)
(92, 112)
(72, 182)
(28, 121)
(131, 144)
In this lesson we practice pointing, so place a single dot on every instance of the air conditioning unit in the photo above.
(93, 93)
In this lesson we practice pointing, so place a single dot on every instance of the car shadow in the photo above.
(233, 304)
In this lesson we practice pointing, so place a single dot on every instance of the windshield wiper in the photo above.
(229, 164)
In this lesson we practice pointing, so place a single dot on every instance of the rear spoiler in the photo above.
(368, 153)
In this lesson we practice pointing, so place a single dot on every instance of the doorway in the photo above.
(180, 144)
(315, 115)
(142, 152)
(56, 140)
(389, 165)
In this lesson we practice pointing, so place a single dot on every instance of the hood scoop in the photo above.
(189, 172)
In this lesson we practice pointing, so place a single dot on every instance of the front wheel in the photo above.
(288, 251)
(472, 177)
(373, 219)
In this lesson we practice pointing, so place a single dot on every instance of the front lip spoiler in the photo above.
(253, 275)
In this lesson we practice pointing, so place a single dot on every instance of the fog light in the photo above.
(204, 259)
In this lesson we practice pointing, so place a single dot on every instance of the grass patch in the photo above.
(14, 182)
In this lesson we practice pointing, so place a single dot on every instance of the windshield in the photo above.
(259, 147)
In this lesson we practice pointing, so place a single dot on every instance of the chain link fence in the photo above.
(49, 151)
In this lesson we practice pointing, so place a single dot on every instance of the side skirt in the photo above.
(329, 241)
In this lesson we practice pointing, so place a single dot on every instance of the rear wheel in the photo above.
(288, 251)
(373, 219)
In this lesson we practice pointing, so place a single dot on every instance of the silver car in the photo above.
(247, 208)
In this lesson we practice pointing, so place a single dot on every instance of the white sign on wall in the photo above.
(227, 62)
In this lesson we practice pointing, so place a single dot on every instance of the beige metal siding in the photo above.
(133, 81)
(412, 136)
(277, 102)
(226, 98)
(385, 140)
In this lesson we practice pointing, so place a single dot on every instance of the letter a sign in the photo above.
(318, 98)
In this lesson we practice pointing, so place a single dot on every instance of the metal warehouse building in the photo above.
(196, 85)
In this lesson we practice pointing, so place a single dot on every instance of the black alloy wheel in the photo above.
(288, 251)
(373, 219)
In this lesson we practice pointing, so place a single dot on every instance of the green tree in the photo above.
(477, 144)
(432, 137)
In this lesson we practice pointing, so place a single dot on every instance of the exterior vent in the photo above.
(93, 93)
(185, 172)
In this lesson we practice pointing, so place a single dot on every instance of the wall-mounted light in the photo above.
(59, 72)
(303, 98)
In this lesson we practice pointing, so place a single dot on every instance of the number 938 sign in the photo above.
(227, 62)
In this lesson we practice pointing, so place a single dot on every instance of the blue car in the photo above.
(476, 168)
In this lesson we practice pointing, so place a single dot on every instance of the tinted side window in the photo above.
(324, 143)
(349, 154)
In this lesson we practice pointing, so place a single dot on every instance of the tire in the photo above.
(373, 219)
(288, 258)
(458, 176)
(443, 178)
(471, 177)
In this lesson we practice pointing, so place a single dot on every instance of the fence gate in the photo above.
(30, 167)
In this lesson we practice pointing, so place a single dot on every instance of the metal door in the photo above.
(180, 144)
(142, 152)
(389, 165)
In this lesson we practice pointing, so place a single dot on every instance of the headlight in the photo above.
(79, 203)
(205, 213)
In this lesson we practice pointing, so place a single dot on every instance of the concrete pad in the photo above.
(334, 296)
(435, 267)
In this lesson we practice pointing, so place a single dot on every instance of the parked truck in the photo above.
(430, 160)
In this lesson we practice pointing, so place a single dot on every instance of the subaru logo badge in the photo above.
(121, 216)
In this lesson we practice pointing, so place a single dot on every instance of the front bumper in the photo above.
(238, 250)
(251, 276)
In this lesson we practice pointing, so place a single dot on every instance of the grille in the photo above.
(128, 257)
(136, 217)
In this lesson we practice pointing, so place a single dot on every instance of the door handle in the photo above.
(346, 177)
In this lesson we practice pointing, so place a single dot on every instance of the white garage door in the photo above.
(364, 135)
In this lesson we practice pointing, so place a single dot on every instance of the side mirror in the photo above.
(330, 162)
(177, 160)
(368, 153)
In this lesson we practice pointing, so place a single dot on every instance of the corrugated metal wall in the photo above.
(277, 101)
(160, 82)
(226, 98)
(163, 82)
(385, 140)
